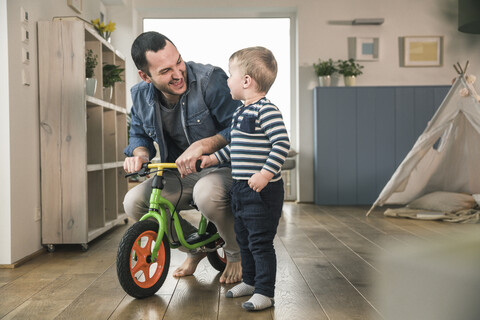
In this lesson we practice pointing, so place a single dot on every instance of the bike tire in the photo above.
(138, 276)
(217, 258)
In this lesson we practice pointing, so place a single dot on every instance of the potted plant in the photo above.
(90, 64)
(111, 74)
(350, 70)
(105, 30)
(324, 70)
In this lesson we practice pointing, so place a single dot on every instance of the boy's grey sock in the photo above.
(240, 290)
(258, 302)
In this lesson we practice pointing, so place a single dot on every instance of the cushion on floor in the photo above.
(444, 202)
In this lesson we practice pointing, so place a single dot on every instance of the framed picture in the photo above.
(423, 51)
(75, 5)
(363, 49)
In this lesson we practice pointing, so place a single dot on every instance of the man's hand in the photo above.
(134, 164)
(186, 161)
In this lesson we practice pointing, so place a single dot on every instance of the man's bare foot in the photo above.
(232, 273)
(189, 265)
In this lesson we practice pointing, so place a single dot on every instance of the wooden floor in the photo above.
(328, 263)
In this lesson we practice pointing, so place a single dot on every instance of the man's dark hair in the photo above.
(147, 41)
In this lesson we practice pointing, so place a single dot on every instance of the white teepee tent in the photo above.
(446, 156)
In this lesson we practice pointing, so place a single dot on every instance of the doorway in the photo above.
(213, 40)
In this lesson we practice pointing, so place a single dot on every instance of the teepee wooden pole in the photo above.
(460, 67)
(456, 69)
(370, 210)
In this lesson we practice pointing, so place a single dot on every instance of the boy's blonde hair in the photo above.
(259, 63)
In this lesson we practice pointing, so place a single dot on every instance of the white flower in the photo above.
(464, 92)
(470, 79)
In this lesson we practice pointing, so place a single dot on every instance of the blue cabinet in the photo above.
(362, 134)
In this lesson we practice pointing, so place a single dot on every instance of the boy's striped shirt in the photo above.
(259, 140)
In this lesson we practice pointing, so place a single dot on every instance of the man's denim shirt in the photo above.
(207, 109)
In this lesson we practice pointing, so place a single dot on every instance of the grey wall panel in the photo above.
(365, 151)
(424, 108)
(325, 149)
(439, 94)
(362, 134)
(346, 146)
(385, 136)
(404, 122)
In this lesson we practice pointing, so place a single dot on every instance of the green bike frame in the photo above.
(158, 210)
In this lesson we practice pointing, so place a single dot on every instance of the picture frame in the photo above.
(363, 49)
(423, 51)
(76, 5)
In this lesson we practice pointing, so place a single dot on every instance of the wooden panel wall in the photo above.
(362, 134)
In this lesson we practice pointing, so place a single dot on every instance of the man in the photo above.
(186, 108)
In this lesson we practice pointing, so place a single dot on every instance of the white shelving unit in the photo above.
(82, 137)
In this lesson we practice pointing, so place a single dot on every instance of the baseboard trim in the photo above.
(22, 261)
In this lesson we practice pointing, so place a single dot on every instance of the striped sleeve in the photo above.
(271, 122)
(223, 155)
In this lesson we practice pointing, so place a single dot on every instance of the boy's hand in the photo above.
(208, 161)
(259, 180)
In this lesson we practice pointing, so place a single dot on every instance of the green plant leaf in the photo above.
(90, 63)
(325, 67)
(111, 74)
(349, 67)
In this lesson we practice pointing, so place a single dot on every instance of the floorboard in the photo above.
(105, 294)
(335, 294)
(293, 297)
(329, 263)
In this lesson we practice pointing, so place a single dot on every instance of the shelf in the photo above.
(94, 233)
(95, 200)
(93, 101)
(94, 135)
(83, 135)
(109, 135)
(110, 194)
(104, 166)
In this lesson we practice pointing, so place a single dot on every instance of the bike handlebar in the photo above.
(146, 167)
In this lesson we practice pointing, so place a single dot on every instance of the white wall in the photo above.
(319, 39)
(5, 243)
(320, 36)
(20, 234)
(125, 17)
(316, 38)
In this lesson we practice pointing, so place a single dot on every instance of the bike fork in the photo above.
(157, 212)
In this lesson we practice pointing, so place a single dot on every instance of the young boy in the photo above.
(258, 148)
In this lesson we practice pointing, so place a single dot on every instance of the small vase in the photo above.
(335, 80)
(107, 36)
(324, 81)
(90, 86)
(349, 81)
(107, 93)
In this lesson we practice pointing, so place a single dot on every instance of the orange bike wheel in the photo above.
(139, 276)
(144, 272)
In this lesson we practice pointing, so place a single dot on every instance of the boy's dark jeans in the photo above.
(256, 220)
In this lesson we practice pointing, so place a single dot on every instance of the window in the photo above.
(212, 41)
